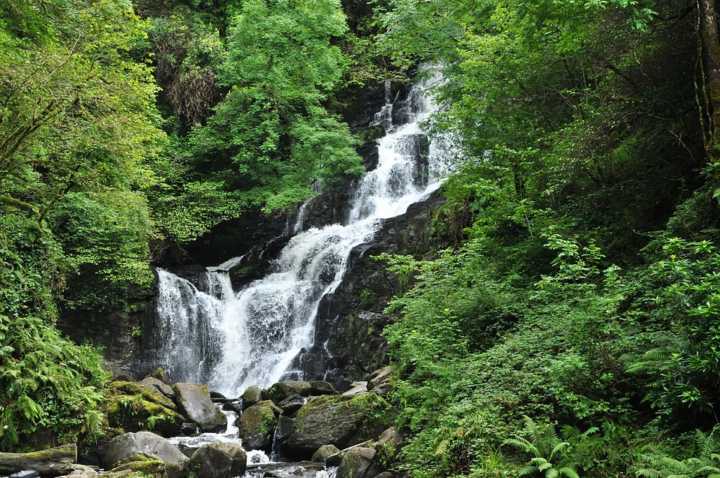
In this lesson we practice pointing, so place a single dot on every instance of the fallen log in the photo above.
(51, 462)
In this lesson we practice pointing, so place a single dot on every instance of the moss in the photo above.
(257, 424)
(134, 413)
(147, 393)
(140, 465)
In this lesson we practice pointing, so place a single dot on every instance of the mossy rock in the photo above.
(148, 393)
(133, 408)
(257, 425)
(142, 465)
(337, 420)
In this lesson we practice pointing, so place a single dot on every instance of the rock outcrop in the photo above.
(218, 460)
(334, 420)
(144, 447)
(257, 424)
(135, 407)
(195, 401)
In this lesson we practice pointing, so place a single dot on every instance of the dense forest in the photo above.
(562, 325)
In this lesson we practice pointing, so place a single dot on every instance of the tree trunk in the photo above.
(50, 462)
(711, 49)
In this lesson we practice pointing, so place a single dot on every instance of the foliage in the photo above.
(547, 452)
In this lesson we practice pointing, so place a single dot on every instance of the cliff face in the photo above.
(349, 324)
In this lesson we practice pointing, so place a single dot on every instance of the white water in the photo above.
(232, 340)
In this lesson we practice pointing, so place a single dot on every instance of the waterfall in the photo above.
(234, 339)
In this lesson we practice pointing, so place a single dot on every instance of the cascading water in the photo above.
(232, 340)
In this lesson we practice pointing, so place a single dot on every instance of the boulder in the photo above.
(218, 460)
(324, 452)
(337, 420)
(53, 461)
(257, 425)
(292, 404)
(356, 462)
(126, 448)
(146, 466)
(252, 395)
(284, 429)
(236, 406)
(158, 385)
(282, 390)
(195, 400)
(134, 407)
(355, 389)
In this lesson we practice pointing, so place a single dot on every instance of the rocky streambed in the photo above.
(293, 429)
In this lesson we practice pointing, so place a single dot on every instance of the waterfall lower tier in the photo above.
(234, 339)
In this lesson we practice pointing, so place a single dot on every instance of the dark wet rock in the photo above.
(194, 399)
(52, 461)
(282, 390)
(336, 420)
(348, 335)
(257, 425)
(218, 460)
(236, 406)
(292, 404)
(324, 452)
(129, 446)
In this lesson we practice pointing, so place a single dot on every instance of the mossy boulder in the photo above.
(218, 460)
(133, 407)
(140, 451)
(283, 390)
(337, 420)
(251, 396)
(144, 465)
(257, 425)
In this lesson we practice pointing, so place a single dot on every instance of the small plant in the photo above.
(706, 465)
(546, 450)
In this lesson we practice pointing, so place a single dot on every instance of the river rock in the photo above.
(337, 420)
(257, 425)
(252, 395)
(303, 469)
(292, 404)
(146, 466)
(282, 390)
(356, 462)
(158, 385)
(218, 460)
(52, 461)
(324, 452)
(195, 401)
(126, 448)
(134, 407)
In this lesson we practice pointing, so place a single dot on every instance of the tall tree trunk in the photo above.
(711, 50)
